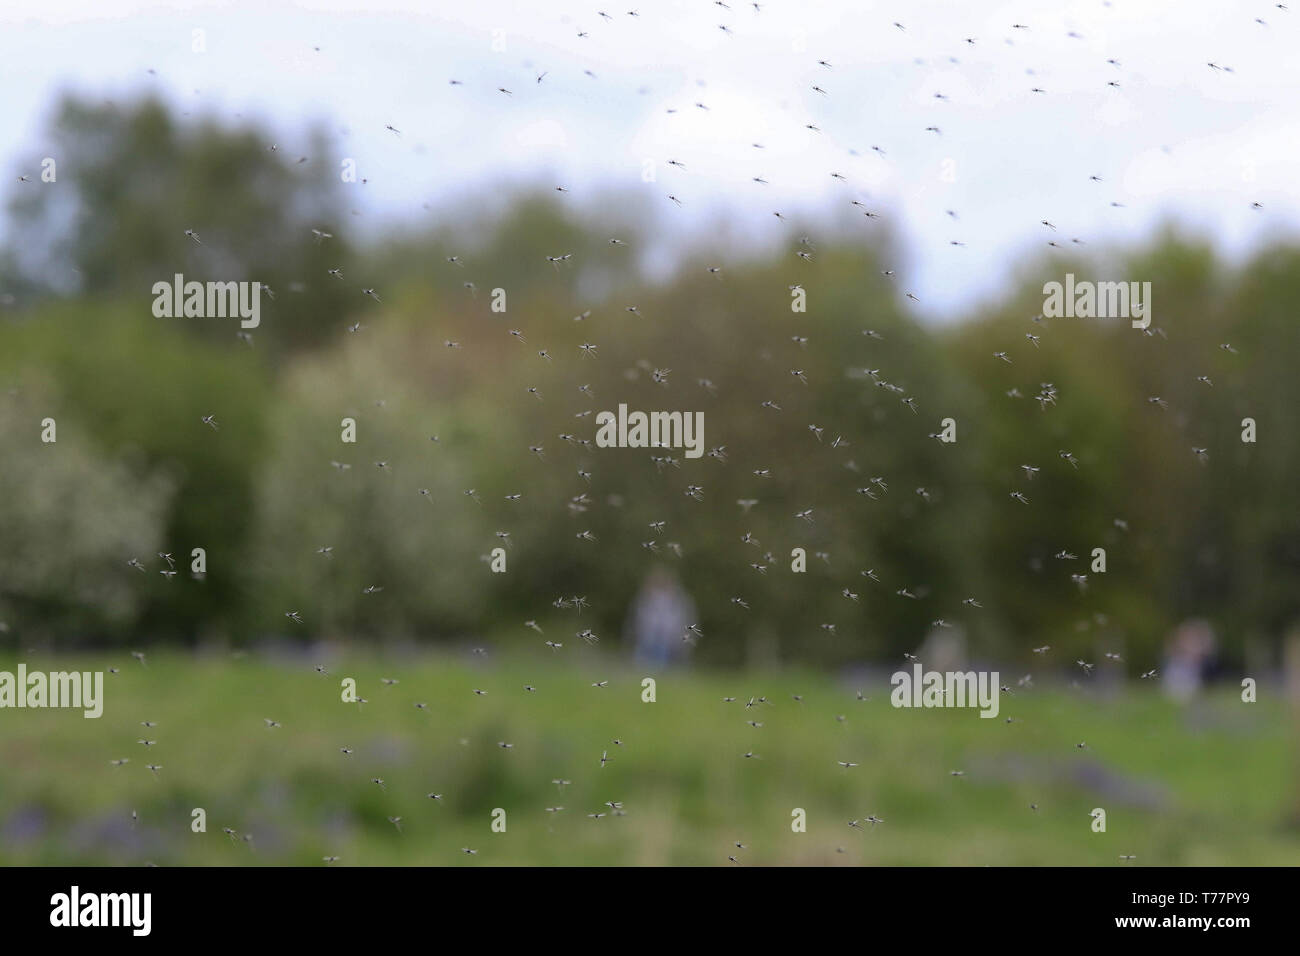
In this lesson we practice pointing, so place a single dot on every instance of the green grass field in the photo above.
(1209, 783)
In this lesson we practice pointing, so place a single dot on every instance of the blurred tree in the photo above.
(133, 394)
(132, 179)
(70, 518)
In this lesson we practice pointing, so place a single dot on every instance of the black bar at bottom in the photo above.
(333, 905)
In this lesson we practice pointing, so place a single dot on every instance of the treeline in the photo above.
(447, 400)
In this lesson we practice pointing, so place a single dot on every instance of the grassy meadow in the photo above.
(1213, 782)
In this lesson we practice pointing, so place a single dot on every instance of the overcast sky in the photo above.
(1176, 140)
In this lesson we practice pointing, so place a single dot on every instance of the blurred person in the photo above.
(1291, 683)
(944, 649)
(658, 621)
(1189, 654)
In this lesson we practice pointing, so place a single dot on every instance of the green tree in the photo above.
(131, 180)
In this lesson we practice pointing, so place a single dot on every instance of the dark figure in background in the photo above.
(658, 621)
